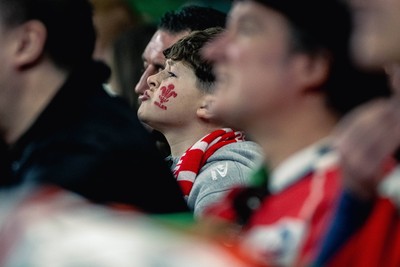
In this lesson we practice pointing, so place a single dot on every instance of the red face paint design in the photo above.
(166, 93)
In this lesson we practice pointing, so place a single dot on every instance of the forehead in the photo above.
(243, 8)
(258, 27)
(251, 13)
(161, 40)
(178, 66)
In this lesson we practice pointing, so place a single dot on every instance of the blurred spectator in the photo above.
(111, 18)
(51, 227)
(283, 72)
(59, 125)
(366, 229)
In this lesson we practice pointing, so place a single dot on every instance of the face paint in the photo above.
(166, 93)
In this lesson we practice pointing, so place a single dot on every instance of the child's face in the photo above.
(173, 97)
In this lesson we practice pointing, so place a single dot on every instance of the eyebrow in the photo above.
(248, 18)
(170, 62)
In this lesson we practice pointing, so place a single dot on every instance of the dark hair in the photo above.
(323, 28)
(192, 18)
(188, 51)
(70, 30)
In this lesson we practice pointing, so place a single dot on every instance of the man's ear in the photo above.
(30, 42)
(313, 71)
(205, 110)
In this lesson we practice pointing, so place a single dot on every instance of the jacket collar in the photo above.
(299, 165)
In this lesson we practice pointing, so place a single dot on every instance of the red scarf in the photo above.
(196, 156)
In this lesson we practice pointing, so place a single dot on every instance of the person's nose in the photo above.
(142, 85)
(153, 81)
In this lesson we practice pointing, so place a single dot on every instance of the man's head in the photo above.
(376, 38)
(64, 27)
(276, 52)
(173, 26)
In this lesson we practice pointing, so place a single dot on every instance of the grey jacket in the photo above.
(229, 166)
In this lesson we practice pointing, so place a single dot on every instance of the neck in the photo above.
(27, 97)
(281, 140)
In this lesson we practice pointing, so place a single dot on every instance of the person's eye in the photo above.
(171, 74)
(247, 27)
(159, 68)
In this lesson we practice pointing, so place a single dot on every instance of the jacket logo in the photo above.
(221, 169)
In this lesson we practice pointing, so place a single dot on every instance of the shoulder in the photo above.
(231, 162)
(246, 153)
(112, 122)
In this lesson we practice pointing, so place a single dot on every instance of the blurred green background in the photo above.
(152, 10)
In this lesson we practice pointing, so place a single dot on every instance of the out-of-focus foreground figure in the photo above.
(59, 126)
(283, 76)
(365, 231)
